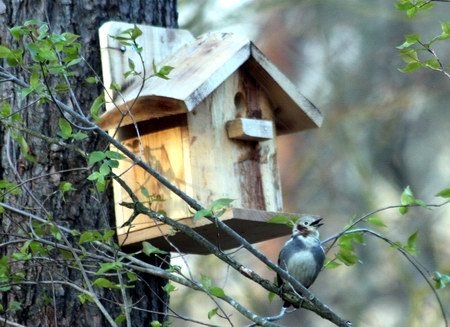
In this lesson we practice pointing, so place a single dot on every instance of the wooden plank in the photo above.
(294, 112)
(248, 129)
(164, 145)
(249, 223)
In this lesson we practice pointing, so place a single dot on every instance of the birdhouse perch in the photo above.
(211, 129)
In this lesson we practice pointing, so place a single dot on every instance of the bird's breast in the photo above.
(303, 266)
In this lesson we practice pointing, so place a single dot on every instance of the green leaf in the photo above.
(346, 253)
(112, 163)
(331, 264)
(107, 266)
(66, 187)
(114, 155)
(445, 193)
(164, 72)
(4, 52)
(121, 318)
(217, 291)
(271, 296)
(409, 56)
(283, 219)
(149, 249)
(54, 230)
(38, 249)
(169, 288)
(100, 184)
(74, 62)
(132, 276)
(14, 306)
(213, 290)
(411, 67)
(104, 283)
(445, 26)
(201, 213)
(403, 210)
(411, 244)
(432, 63)
(131, 64)
(9, 187)
(115, 86)
(104, 169)
(407, 199)
(376, 221)
(85, 298)
(5, 110)
(220, 204)
(78, 136)
(144, 191)
(89, 236)
(212, 312)
(410, 40)
(92, 80)
(95, 157)
(65, 129)
(135, 32)
(407, 196)
(441, 280)
(347, 257)
(19, 256)
(94, 176)
(96, 106)
(206, 282)
(108, 235)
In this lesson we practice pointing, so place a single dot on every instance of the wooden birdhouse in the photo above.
(211, 129)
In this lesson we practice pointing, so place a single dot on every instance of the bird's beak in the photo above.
(316, 223)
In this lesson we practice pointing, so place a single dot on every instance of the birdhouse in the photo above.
(211, 129)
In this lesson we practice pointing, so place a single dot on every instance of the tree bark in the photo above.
(85, 209)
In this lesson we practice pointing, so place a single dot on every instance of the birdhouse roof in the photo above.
(199, 68)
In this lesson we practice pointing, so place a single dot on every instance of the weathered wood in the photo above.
(164, 145)
(250, 129)
(193, 150)
(249, 223)
(294, 112)
(199, 68)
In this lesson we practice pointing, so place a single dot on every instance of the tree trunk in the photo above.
(84, 209)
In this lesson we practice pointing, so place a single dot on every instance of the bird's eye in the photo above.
(306, 223)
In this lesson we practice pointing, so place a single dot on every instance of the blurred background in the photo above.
(383, 130)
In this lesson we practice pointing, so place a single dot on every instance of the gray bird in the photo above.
(302, 256)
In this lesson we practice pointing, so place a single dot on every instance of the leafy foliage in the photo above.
(217, 208)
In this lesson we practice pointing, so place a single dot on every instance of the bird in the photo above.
(302, 256)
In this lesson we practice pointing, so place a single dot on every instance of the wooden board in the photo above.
(248, 129)
(164, 145)
(250, 224)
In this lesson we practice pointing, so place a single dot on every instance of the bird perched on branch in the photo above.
(302, 256)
